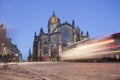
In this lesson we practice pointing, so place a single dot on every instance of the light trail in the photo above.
(108, 47)
(98, 43)
(83, 51)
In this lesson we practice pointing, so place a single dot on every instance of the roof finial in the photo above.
(73, 23)
(53, 13)
(41, 31)
(87, 34)
(81, 33)
(35, 33)
(29, 51)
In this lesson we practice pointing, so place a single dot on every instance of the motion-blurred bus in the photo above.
(103, 49)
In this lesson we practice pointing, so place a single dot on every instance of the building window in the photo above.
(65, 37)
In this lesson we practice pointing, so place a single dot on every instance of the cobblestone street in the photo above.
(60, 71)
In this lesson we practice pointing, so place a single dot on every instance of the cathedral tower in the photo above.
(52, 23)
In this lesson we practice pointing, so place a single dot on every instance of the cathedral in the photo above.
(48, 46)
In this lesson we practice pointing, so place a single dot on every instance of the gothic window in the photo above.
(65, 37)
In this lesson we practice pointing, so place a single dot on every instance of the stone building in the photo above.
(49, 45)
(8, 51)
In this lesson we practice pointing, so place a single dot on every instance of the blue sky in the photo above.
(23, 17)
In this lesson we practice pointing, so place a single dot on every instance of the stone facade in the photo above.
(8, 51)
(48, 46)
